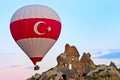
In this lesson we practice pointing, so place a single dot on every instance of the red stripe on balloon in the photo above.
(36, 59)
(22, 29)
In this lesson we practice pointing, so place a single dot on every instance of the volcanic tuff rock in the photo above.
(103, 72)
(113, 64)
(69, 67)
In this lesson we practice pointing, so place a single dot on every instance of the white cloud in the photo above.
(102, 52)
(30, 67)
(14, 66)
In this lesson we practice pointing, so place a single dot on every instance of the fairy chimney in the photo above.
(86, 62)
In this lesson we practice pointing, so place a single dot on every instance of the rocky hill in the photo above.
(69, 67)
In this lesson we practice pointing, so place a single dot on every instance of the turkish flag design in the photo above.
(31, 28)
(35, 28)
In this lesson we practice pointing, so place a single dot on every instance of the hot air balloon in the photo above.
(35, 28)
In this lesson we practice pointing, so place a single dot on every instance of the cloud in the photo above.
(14, 66)
(118, 65)
(30, 67)
(107, 54)
(111, 55)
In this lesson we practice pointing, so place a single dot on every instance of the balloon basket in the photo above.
(36, 67)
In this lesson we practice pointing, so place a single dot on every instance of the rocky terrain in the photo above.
(69, 67)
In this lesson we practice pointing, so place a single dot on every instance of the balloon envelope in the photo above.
(35, 28)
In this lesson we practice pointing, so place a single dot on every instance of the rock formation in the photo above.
(86, 63)
(70, 60)
(69, 67)
(103, 72)
(113, 64)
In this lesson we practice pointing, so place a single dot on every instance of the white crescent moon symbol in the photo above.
(36, 27)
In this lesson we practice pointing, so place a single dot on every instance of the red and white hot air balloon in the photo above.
(35, 28)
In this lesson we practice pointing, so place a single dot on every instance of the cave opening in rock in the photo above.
(64, 77)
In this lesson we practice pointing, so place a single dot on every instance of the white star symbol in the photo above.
(49, 28)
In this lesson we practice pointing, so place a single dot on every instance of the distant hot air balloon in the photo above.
(35, 28)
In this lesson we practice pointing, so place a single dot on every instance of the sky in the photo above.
(90, 25)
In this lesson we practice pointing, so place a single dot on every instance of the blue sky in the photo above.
(111, 55)
(91, 25)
